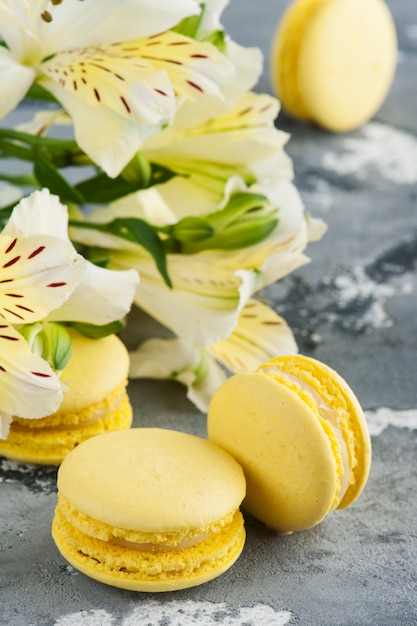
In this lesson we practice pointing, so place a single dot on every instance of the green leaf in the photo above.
(37, 92)
(97, 332)
(48, 176)
(190, 26)
(102, 189)
(217, 38)
(138, 231)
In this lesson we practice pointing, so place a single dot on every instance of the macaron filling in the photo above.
(187, 542)
(328, 414)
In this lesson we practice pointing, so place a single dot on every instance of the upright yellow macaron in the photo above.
(95, 401)
(150, 509)
(333, 61)
(299, 433)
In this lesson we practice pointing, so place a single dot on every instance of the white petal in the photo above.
(22, 28)
(103, 296)
(78, 23)
(194, 68)
(248, 64)
(109, 139)
(180, 360)
(114, 77)
(260, 334)
(43, 120)
(246, 134)
(5, 421)
(204, 303)
(28, 386)
(40, 213)
(211, 17)
(9, 194)
(15, 81)
(37, 274)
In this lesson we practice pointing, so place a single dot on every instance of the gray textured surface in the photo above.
(354, 307)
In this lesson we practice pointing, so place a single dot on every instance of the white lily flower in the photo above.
(102, 295)
(259, 335)
(37, 275)
(116, 93)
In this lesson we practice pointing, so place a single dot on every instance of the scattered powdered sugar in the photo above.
(383, 417)
(319, 196)
(182, 613)
(393, 153)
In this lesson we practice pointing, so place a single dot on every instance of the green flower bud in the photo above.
(50, 341)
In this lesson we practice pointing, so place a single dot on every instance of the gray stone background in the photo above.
(353, 307)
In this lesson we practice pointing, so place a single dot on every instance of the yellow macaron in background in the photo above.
(333, 61)
(150, 509)
(95, 401)
(299, 433)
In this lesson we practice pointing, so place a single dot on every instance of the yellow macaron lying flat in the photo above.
(95, 402)
(333, 61)
(150, 509)
(300, 435)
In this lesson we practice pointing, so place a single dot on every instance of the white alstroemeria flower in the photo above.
(182, 361)
(210, 288)
(259, 335)
(103, 295)
(116, 93)
(37, 275)
(251, 146)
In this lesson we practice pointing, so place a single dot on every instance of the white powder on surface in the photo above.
(182, 613)
(383, 417)
(319, 197)
(393, 153)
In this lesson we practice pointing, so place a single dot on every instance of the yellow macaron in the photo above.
(333, 61)
(162, 515)
(299, 433)
(95, 401)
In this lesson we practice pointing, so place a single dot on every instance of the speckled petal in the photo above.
(37, 274)
(28, 386)
(260, 334)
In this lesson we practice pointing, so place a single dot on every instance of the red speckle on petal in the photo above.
(190, 82)
(9, 338)
(41, 374)
(125, 104)
(56, 284)
(12, 261)
(2, 369)
(36, 252)
(12, 245)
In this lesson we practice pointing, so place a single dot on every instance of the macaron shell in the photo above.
(343, 59)
(159, 481)
(159, 571)
(285, 51)
(338, 395)
(290, 464)
(150, 509)
(95, 369)
(49, 444)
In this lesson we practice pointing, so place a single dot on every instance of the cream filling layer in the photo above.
(98, 415)
(187, 542)
(331, 416)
